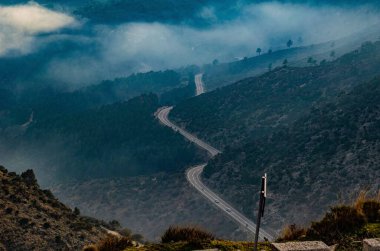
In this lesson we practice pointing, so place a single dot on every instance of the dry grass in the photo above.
(111, 243)
(341, 223)
(369, 206)
(292, 232)
(190, 234)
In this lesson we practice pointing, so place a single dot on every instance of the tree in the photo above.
(215, 62)
(312, 61)
(115, 224)
(285, 63)
(76, 211)
(258, 51)
(332, 54)
(270, 67)
(270, 51)
(289, 43)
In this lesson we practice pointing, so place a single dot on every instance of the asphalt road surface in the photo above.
(193, 174)
(199, 84)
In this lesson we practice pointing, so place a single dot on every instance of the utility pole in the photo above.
(260, 213)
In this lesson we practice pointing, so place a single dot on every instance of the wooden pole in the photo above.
(260, 213)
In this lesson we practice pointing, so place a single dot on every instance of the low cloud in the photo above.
(152, 46)
(20, 24)
(118, 50)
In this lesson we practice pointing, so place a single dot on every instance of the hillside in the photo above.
(148, 204)
(323, 158)
(122, 139)
(21, 93)
(256, 107)
(222, 74)
(33, 219)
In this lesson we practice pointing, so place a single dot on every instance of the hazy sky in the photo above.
(107, 51)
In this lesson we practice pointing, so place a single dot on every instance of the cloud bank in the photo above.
(264, 25)
(119, 50)
(20, 24)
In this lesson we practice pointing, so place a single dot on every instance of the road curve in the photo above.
(193, 174)
(199, 84)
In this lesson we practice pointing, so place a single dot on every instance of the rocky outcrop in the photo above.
(33, 219)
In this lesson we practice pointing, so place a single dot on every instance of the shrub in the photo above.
(115, 224)
(371, 210)
(125, 232)
(189, 234)
(23, 221)
(76, 211)
(292, 232)
(336, 223)
(137, 237)
(90, 248)
(113, 243)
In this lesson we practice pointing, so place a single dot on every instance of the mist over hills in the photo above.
(141, 42)
(314, 130)
(258, 106)
(122, 139)
(80, 83)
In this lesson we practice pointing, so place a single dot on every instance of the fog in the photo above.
(20, 24)
(108, 51)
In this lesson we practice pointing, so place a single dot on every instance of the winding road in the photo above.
(193, 174)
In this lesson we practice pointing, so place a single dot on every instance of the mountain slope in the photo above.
(255, 107)
(33, 219)
(331, 152)
(122, 139)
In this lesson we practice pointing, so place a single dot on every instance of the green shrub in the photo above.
(189, 234)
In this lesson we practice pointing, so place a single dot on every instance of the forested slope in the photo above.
(122, 139)
(324, 157)
(255, 107)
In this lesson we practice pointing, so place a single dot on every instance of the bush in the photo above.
(371, 210)
(189, 234)
(90, 248)
(291, 233)
(113, 243)
(336, 223)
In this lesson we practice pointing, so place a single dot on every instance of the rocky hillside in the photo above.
(33, 219)
(324, 157)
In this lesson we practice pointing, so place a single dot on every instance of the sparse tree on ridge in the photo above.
(289, 43)
(270, 67)
(270, 51)
(285, 63)
(258, 51)
(311, 61)
(215, 62)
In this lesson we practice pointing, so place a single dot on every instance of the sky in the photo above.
(106, 51)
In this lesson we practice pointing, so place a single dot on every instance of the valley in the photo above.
(152, 123)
